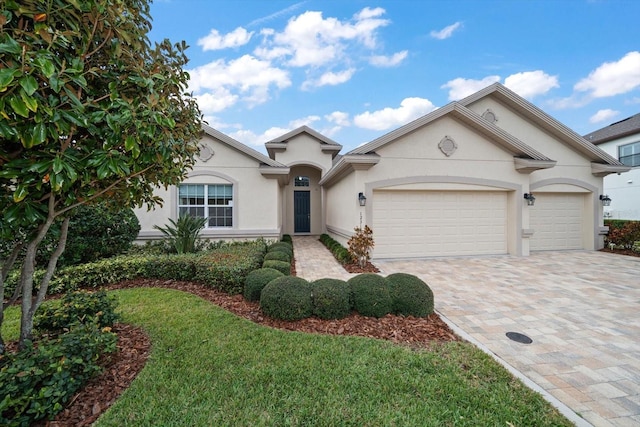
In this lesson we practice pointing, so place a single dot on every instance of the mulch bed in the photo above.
(627, 252)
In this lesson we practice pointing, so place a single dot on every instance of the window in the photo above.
(629, 154)
(214, 202)
(301, 181)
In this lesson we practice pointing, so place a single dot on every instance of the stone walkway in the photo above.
(581, 308)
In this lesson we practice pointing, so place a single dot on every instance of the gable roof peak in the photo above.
(305, 129)
(239, 146)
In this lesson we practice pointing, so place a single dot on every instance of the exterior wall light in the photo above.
(606, 200)
(530, 199)
(361, 199)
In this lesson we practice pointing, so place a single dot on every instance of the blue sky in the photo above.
(355, 70)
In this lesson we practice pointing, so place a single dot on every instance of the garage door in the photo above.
(557, 222)
(439, 223)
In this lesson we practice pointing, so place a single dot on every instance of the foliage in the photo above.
(287, 298)
(37, 381)
(257, 280)
(331, 298)
(281, 247)
(370, 295)
(360, 245)
(277, 256)
(91, 112)
(623, 233)
(224, 269)
(340, 253)
(287, 238)
(77, 307)
(411, 296)
(282, 266)
(183, 233)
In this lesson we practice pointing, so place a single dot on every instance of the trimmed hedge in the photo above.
(287, 298)
(281, 247)
(277, 256)
(370, 295)
(340, 253)
(331, 298)
(411, 296)
(224, 269)
(287, 238)
(257, 280)
(281, 266)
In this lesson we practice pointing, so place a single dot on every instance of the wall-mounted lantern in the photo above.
(362, 199)
(606, 200)
(530, 199)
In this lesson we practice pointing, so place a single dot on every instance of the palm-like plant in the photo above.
(183, 233)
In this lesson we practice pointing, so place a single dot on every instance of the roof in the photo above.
(625, 127)
(241, 147)
(279, 144)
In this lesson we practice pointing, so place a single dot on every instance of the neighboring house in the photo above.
(622, 141)
(450, 183)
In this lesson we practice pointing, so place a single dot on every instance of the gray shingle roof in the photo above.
(624, 127)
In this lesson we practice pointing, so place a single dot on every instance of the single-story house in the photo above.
(458, 181)
(622, 141)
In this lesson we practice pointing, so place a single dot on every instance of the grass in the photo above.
(209, 367)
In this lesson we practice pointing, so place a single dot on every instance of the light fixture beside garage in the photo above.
(606, 200)
(530, 199)
(362, 199)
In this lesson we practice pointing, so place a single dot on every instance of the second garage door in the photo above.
(557, 221)
(410, 224)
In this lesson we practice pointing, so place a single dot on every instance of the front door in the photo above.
(302, 211)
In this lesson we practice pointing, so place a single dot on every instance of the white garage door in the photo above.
(557, 221)
(439, 223)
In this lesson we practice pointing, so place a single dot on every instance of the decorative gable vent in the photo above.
(447, 145)
(205, 152)
(490, 116)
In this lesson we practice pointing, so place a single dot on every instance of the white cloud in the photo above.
(410, 109)
(251, 138)
(613, 78)
(215, 41)
(603, 115)
(330, 79)
(529, 84)
(309, 39)
(304, 121)
(460, 88)
(388, 61)
(340, 118)
(277, 14)
(215, 101)
(446, 32)
(251, 78)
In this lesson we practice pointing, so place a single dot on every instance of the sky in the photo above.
(355, 70)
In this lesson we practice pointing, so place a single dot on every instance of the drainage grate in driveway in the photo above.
(518, 337)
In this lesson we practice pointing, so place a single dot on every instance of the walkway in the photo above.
(582, 310)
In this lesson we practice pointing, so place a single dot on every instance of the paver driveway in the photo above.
(582, 310)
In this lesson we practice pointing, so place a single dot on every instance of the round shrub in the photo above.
(287, 238)
(411, 296)
(277, 256)
(331, 298)
(287, 298)
(257, 280)
(281, 247)
(282, 266)
(370, 295)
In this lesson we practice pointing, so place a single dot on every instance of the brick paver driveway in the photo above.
(582, 310)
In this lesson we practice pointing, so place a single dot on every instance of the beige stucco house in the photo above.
(453, 182)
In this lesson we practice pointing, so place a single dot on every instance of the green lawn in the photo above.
(211, 368)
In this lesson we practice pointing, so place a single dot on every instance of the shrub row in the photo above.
(38, 381)
(293, 298)
(339, 252)
(279, 257)
(224, 269)
(622, 233)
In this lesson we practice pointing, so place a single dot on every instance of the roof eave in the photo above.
(601, 169)
(348, 164)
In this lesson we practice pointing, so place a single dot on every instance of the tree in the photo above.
(90, 112)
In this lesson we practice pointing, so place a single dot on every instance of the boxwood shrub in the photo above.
(340, 253)
(331, 298)
(282, 247)
(281, 266)
(257, 280)
(277, 256)
(370, 295)
(287, 238)
(287, 298)
(411, 296)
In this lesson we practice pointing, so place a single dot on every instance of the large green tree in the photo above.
(90, 112)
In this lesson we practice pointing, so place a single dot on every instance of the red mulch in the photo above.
(627, 252)
(134, 345)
